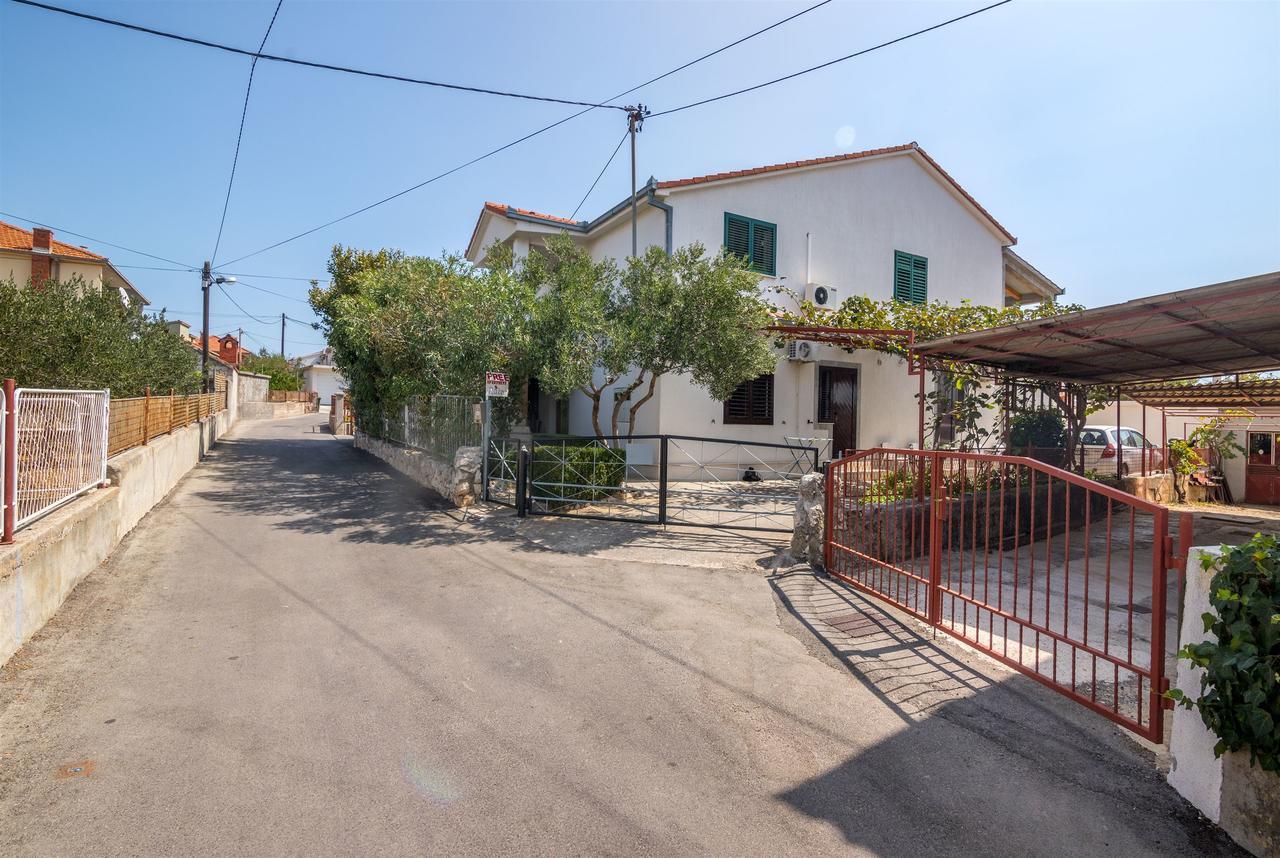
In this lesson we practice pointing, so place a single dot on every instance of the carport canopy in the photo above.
(1221, 329)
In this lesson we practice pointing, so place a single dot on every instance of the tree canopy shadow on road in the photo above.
(311, 483)
(977, 742)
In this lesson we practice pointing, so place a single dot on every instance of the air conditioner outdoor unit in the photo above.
(799, 350)
(824, 297)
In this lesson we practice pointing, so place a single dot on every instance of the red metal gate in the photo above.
(1059, 576)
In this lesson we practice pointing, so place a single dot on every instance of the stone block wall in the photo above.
(459, 480)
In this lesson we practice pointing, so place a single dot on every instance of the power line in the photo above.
(520, 140)
(616, 149)
(244, 111)
(273, 276)
(241, 309)
(97, 240)
(828, 63)
(155, 268)
(277, 294)
(258, 55)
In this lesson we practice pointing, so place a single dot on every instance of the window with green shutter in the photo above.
(756, 241)
(910, 278)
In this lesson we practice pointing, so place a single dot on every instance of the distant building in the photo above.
(34, 256)
(320, 376)
(226, 347)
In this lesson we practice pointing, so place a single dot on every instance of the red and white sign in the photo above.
(495, 384)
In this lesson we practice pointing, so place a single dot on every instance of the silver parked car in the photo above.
(1103, 444)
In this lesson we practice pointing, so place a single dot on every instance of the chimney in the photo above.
(41, 263)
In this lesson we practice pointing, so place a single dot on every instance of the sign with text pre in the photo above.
(495, 384)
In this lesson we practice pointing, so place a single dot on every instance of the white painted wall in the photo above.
(857, 214)
(324, 380)
(853, 215)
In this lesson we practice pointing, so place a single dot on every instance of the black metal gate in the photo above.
(652, 479)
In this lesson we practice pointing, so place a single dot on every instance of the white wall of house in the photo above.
(324, 380)
(837, 225)
(843, 223)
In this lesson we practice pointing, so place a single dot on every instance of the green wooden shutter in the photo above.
(764, 247)
(756, 241)
(910, 278)
(737, 236)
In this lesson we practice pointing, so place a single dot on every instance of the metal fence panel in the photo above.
(1058, 576)
(61, 447)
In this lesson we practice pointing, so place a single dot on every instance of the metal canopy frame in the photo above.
(1222, 329)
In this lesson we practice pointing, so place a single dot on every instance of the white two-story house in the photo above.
(885, 223)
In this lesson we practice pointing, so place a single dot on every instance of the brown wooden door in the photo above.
(838, 405)
(1262, 469)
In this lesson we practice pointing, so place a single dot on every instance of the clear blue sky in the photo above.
(1132, 147)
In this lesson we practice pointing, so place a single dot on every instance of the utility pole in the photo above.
(635, 122)
(282, 335)
(206, 280)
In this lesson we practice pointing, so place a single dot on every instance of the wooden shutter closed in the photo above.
(737, 236)
(763, 240)
(751, 403)
(910, 278)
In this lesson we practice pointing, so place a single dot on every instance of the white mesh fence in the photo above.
(61, 447)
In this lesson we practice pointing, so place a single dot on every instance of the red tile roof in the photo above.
(16, 238)
(504, 209)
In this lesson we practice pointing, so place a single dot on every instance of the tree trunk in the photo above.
(618, 400)
(648, 394)
(594, 393)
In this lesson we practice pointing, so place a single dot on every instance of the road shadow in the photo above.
(308, 481)
(977, 741)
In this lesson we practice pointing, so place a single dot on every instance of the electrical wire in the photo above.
(519, 140)
(793, 75)
(601, 175)
(240, 282)
(258, 55)
(275, 276)
(98, 241)
(244, 112)
(242, 309)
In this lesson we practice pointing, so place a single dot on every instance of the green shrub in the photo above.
(1037, 430)
(577, 471)
(1240, 689)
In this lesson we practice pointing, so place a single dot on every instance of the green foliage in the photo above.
(1240, 689)
(1213, 437)
(929, 321)
(966, 399)
(565, 471)
(1041, 429)
(71, 335)
(403, 325)
(283, 372)
(1184, 458)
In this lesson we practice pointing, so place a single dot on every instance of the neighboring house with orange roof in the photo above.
(35, 256)
(884, 223)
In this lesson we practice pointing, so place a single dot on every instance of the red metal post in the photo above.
(10, 476)
(1119, 440)
(1164, 438)
(920, 427)
(937, 504)
(828, 516)
(1145, 445)
(1160, 562)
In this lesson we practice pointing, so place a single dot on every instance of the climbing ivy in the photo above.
(1240, 689)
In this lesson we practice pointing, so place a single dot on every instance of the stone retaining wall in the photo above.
(459, 480)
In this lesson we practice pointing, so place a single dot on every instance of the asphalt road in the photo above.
(300, 653)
